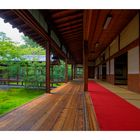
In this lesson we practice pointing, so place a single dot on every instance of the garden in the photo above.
(23, 72)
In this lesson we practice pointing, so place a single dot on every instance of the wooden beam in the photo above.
(66, 70)
(63, 13)
(85, 65)
(74, 34)
(11, 19)
(48, 68)
(68, 18)
(70, 27)
(78, 37)
(72, 31)
(25, 16)
(69, 23)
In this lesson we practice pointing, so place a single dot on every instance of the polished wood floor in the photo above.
(66, 108)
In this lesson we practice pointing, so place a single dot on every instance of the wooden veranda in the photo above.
(91, 38)
(67, 108)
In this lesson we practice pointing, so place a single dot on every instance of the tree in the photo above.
(3, 37)
(29, 42)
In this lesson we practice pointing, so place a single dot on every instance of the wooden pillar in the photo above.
(71, 71)
(66, 70)
(139, 46)
(85, 65)
(48, 68)
(74, 71)
(52, 75)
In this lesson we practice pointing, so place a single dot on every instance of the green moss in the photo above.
(14, 97)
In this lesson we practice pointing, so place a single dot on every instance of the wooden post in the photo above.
(71, 71)
(52, 76)
(74, 71)
(66, 70)
(85, 65)
(48, 68)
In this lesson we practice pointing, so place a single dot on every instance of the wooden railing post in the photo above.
(85, 65)
(48, 68)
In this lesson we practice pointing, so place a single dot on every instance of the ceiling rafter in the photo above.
(71, 27)
(69, 23)
(72, 31)
(69, 18)
(63, 13)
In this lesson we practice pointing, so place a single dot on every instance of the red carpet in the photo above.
(113, 112)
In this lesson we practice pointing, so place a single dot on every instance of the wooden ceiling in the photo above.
(17, 22)
(24, 21)
(68, 25)
(94, 32)
(74, 26)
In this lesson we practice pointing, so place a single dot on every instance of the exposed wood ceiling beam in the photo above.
(70, 27)
(76, 33)
(4, 13)
(74, 39)
(71, 31)
(52, 26)
(35, 26)
(63, 13)
(69, 23)
(19, 25)
(68, 18)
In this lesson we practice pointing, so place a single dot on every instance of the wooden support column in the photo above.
(48, 68)
(109, 60)
(71, 71)
(66, 70)
(52, 75)
(85, 65)
(139, 45)
(75, 71)
(74, 74)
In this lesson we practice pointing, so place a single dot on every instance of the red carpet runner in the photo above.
(113, 112)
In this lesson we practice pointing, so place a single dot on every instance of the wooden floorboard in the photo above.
(65, 109)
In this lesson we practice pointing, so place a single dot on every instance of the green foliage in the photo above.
(3, 37)
(12, 62)
(29, 42)
(33, 74)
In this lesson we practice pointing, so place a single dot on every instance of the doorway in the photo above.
(104, 71)
(120, 66)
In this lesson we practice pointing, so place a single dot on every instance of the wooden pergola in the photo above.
(73, 35)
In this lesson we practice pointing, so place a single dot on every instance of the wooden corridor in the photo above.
(67, 108)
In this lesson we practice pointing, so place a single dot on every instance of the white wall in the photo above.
(133, 61)
(112, 66)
